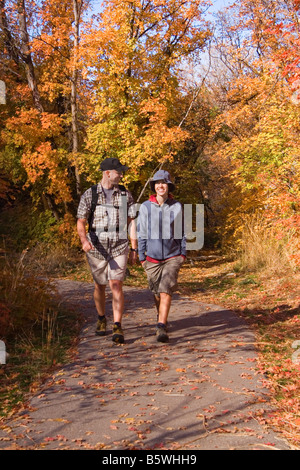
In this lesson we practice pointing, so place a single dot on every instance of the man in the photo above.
(106, 243)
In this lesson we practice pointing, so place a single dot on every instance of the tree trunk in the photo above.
(26, 56)
(74, 79)
(8, 38)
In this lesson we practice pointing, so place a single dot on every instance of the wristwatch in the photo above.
(134, 249)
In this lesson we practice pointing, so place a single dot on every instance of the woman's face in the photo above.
(161, 188)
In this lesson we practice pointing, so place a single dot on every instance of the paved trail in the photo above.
(201, 391)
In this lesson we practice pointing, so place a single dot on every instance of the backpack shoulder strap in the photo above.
(93, 205)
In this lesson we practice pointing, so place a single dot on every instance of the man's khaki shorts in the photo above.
(162, 276)
(104, 271)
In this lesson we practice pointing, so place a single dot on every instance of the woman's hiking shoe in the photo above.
(118, 335)
(101, 326)
(161, 333)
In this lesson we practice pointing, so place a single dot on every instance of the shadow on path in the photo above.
(200, 391)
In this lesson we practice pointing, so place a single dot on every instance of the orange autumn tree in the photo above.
(133, 53)
(262, 119)
(114, 81)
(40, 135)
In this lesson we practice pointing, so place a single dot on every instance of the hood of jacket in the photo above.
(153, 198)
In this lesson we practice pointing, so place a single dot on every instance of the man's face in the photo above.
(115, 176)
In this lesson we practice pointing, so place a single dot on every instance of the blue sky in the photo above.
(217, 4)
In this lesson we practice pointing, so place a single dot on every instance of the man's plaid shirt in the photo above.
(109, 227)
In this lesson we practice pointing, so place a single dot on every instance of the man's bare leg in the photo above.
(117, 299)
(99, 298)
(118, 309)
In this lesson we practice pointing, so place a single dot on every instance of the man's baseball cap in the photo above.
(112, 164)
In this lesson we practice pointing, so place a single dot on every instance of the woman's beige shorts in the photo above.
(104, 271)
(162, 276)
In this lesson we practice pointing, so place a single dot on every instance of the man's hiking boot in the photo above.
(161, 333)
(101, 327)
(118, 335)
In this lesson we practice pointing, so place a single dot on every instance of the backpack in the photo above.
(95, 200)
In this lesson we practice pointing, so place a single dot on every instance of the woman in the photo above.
(161, 245)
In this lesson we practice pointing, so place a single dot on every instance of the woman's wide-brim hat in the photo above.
(162, 175)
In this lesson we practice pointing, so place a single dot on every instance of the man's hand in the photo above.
(86, 246)
(132, 257)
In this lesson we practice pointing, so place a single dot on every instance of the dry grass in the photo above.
(25, 295)
(261, 249)
(51, 260)
(37, 332)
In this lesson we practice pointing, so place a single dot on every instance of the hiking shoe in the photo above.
(161, 333)
(101, 327)
(118, 335)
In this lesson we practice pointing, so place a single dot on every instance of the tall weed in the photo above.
(260, 248)
(37, 331)
(25, 295)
